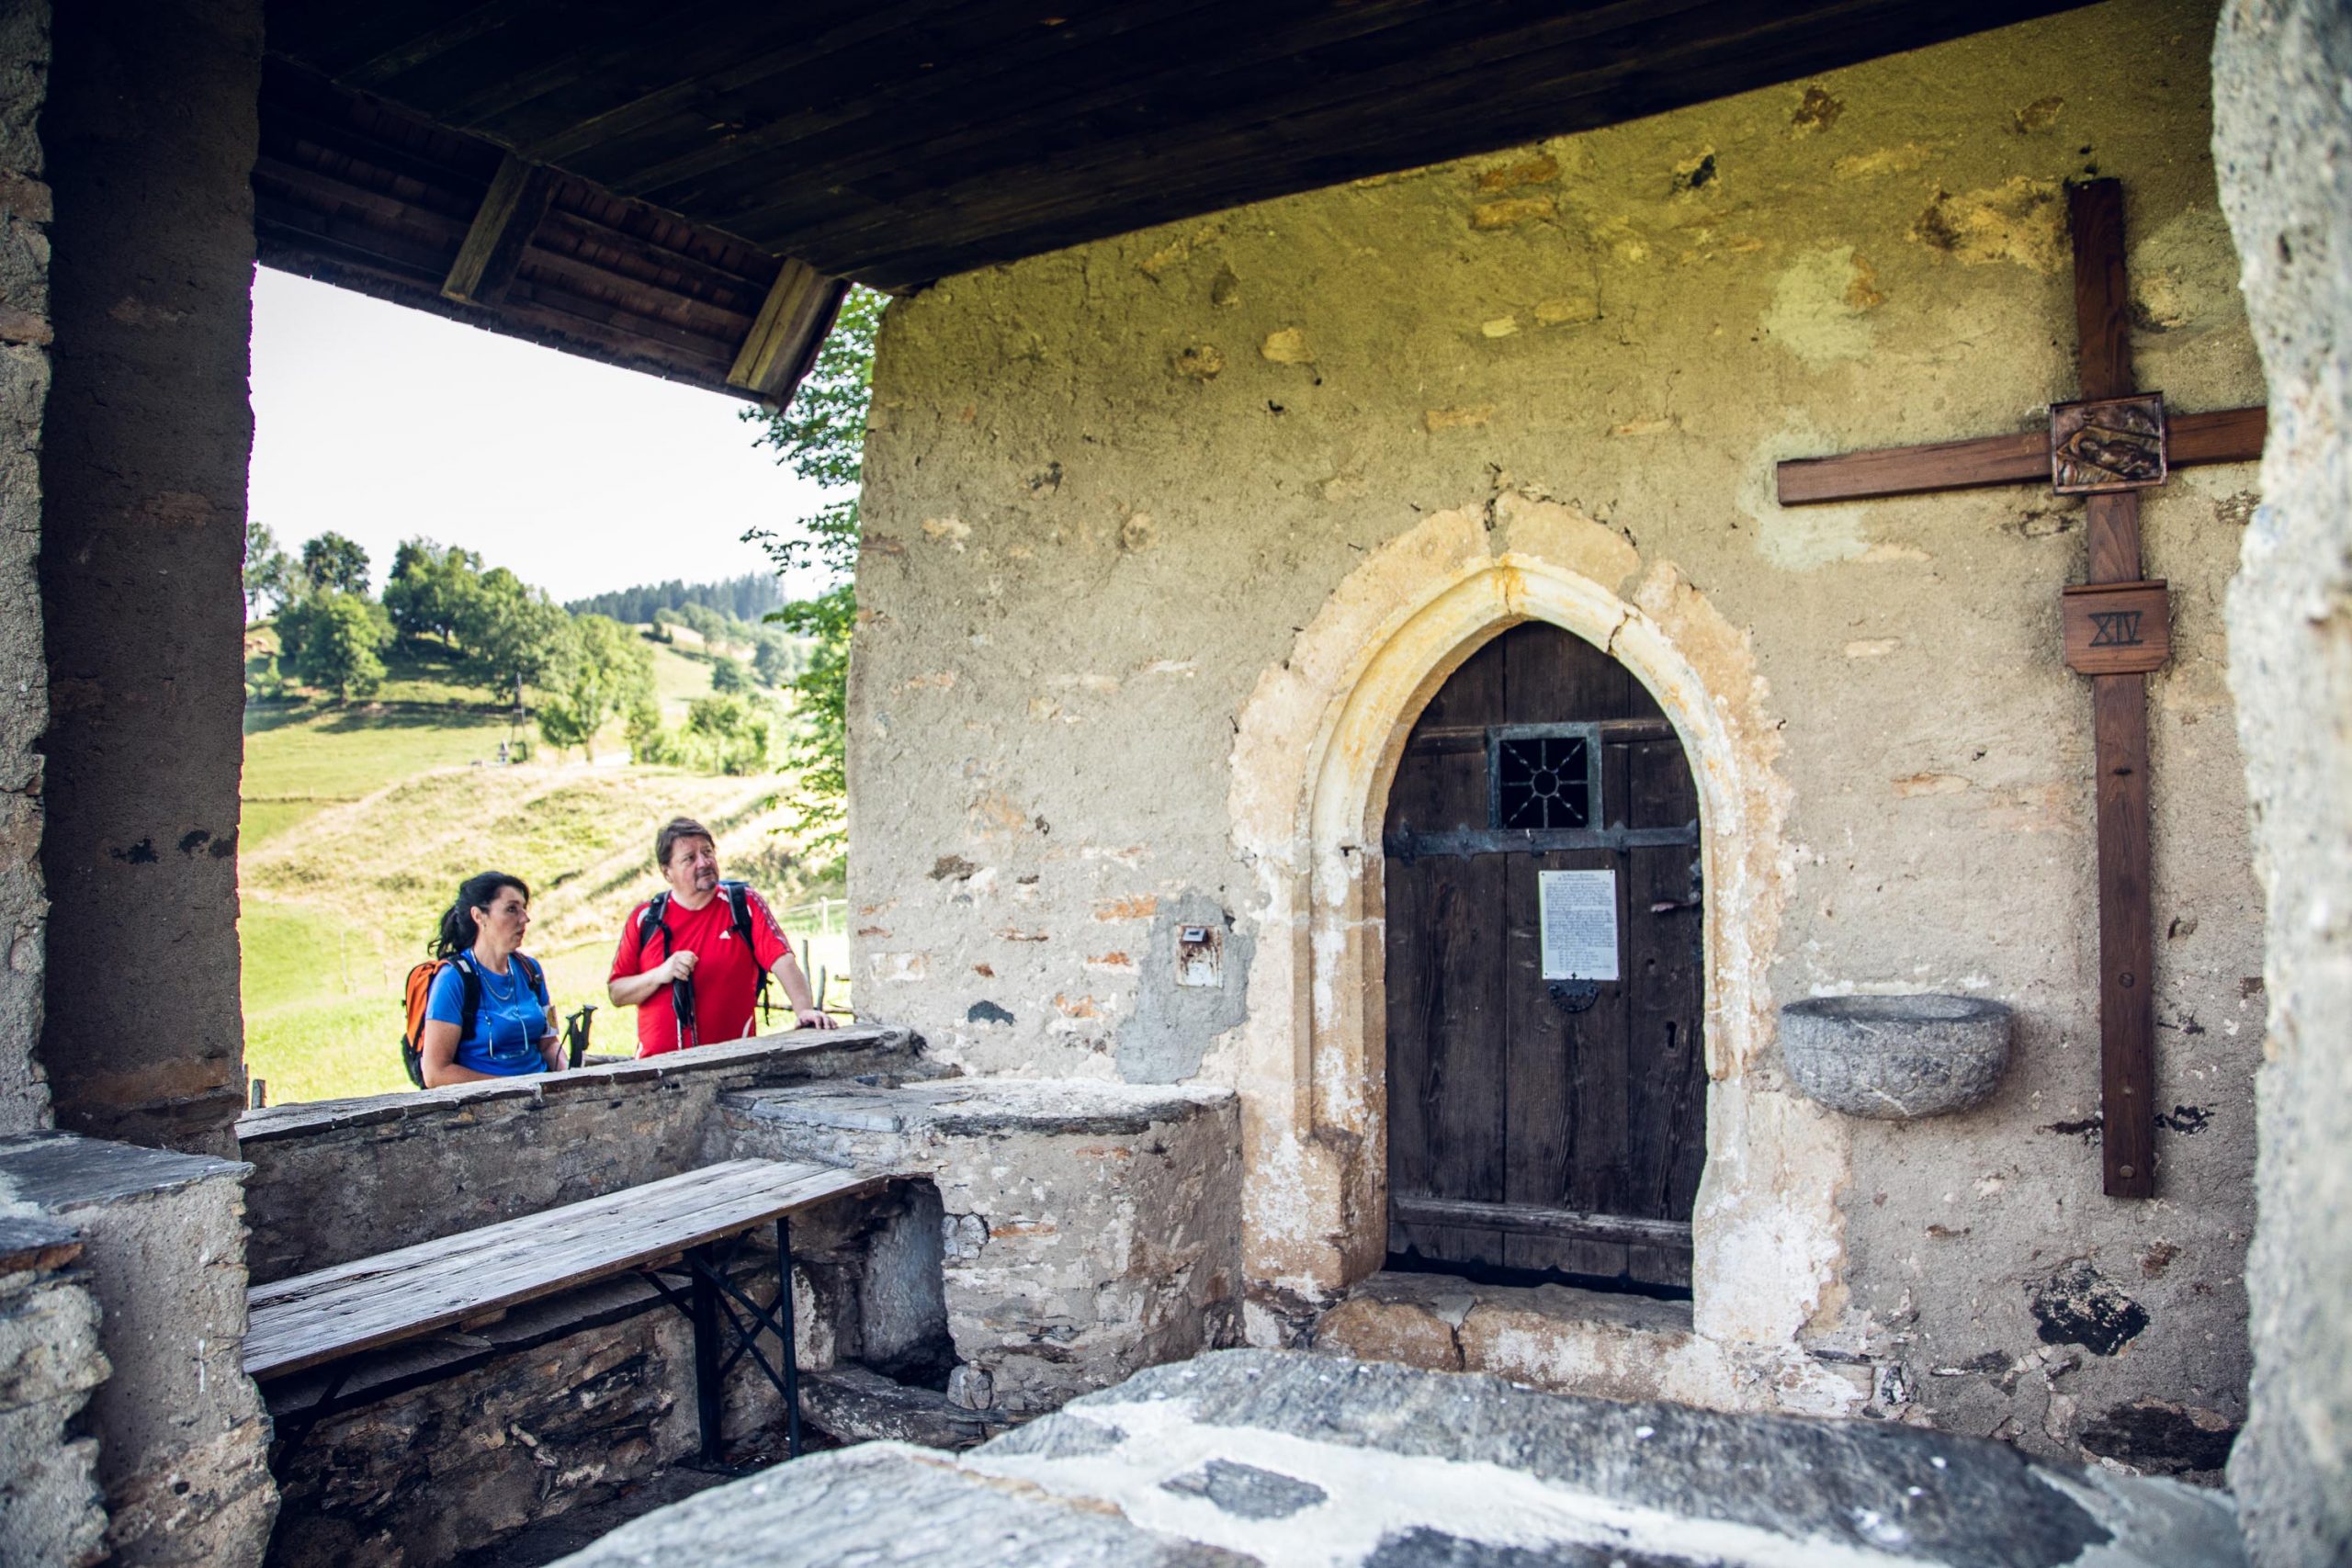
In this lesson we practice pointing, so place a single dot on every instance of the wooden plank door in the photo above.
(1536, 1129)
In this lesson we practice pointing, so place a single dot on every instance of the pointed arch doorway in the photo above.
(1546, 1071)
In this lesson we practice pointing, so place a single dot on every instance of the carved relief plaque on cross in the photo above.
(2107, 447)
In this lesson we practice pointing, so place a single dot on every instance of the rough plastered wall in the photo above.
(24, 671)
(1117, 496)
(2283, 139)
(150, 132)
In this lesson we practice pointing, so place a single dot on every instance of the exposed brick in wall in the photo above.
(150, 135)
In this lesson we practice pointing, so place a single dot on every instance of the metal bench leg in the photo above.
(708, 1402)
(790, 1355)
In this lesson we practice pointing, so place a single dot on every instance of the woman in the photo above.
(487, 1015)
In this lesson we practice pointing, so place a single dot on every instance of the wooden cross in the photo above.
(2107, 448)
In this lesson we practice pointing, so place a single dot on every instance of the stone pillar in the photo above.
(24, 668)
(182, 1441)
(2282, 141)
(151, 133)
(52, 1510)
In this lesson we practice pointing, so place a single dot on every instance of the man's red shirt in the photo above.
(726, 979)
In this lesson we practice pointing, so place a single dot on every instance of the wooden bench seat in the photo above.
(312, 1319)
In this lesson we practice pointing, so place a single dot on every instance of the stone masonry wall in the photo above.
(1090, 1230)
(2283, 138)
(51, 1509)
(580, 1397)
(24, 671)
(1107, 488)
(182, 1436)
(150, 134)
(338, 1179)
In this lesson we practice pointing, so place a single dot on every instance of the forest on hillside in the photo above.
(746, 598)
(574, 674)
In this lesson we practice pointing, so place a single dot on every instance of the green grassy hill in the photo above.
(359, 823)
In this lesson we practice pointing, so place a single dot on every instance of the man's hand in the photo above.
(809, 1018)
(636, 990)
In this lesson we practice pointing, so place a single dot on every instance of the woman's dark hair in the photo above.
(476, 892)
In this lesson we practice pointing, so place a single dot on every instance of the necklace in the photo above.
(502, 988)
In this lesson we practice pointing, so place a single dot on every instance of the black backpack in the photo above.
(419, 987)
(738, 905)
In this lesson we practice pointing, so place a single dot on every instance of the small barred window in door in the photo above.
(1544, 776)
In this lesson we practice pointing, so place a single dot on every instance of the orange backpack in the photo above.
(420, 990)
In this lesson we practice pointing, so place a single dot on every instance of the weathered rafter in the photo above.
(783, 342)
(510, 215)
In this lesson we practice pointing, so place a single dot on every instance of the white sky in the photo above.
(383, 423)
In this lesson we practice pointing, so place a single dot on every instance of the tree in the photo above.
(728, 675)
(268, 572)
(511, 632)
(821, 434)
(332, 562)
(429, 589)
(774, 657)
(732, 735)
(341, 640)
(604, 669)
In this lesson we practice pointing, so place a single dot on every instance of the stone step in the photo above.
(858, 1404)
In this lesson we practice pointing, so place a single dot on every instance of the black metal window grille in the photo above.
(1543, 776)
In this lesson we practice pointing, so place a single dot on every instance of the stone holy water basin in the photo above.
(1896, 1058)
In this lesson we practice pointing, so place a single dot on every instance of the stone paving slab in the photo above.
(1286, 1459)
(886, 1503)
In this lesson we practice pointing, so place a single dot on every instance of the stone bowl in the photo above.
(1896, 1058)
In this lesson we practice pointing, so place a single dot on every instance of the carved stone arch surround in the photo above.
(1317, 747)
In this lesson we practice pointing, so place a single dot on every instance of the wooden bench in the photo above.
(668, 1229)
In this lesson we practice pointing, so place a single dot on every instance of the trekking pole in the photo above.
(575, 1034)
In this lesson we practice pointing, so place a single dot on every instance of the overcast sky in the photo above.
(383, 423)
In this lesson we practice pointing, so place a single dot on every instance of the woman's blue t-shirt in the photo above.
(508, 1024)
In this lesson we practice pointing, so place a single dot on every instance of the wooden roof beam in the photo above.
(783, 342)
(510, 213)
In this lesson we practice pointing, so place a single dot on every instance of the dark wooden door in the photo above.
(1539, 1125)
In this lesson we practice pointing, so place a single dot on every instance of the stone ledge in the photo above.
(35, 1246)
(795, 1053)
(967, 1107)
(1549, 1336)
(62, 1171)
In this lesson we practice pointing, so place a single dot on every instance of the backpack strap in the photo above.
(739, 901)
(470, 995)
(536, 975)
(652, 919)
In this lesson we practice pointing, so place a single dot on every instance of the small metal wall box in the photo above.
(1200, 956)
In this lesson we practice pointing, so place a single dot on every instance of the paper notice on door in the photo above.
(1576, 912)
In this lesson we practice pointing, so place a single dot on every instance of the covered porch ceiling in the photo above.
(686, 188)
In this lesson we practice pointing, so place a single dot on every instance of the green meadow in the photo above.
(359, 822)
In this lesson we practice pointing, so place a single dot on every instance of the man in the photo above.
(691, 959)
